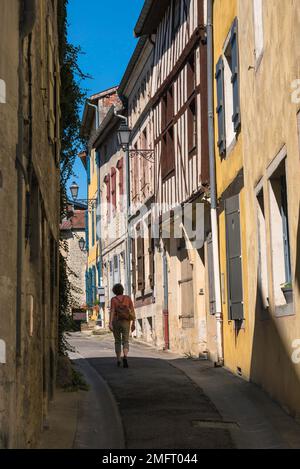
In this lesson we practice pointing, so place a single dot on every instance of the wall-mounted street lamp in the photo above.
(124, 134)
(74, 189)
(81, 243)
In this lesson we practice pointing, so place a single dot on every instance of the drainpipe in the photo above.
(212, 170)
(128, 241)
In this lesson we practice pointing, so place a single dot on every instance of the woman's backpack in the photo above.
(122, 311)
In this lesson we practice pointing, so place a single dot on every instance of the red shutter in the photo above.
(114, 188)
(120, 166)
(108, 194)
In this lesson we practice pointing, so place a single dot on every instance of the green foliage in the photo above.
(72, 98)
(78, 383)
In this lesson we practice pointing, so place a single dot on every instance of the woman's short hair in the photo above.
(118, 289)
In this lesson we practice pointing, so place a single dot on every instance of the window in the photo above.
(263, 289)
(280, 238)
(164, 106)
(140, 261)
(192, 127)
(168, 154)
(258, 28)
(176, 16)
(191, 77)
(170, 105)
(228, 95)
(151, 251)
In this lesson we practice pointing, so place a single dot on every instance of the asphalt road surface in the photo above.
(151, 405)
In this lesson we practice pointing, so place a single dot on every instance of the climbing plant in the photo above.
(72, 97)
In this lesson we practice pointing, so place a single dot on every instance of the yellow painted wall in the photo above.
(92, 194)
(237, 347)
(269, 119)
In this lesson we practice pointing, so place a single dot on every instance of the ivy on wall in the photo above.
(72, 97)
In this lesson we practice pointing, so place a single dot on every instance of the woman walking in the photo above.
(122, 314)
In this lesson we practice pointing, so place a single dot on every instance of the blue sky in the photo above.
(104, 30)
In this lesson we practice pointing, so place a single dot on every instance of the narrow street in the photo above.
(166, 401)
(159, 405)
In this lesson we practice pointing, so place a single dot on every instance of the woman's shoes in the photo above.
(125, 363)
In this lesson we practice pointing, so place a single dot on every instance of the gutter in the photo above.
(213, 185)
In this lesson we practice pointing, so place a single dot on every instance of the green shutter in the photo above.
(221, 106)
(235, 79)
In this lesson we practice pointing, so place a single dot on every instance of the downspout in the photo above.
(213, 186)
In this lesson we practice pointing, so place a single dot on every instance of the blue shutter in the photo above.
(90, 287)
(93, 226)
(86, 215)
(98, 158)
(221, 106)
(88, 170)
(235, 79)
(87, 287)
(94, 284)
(99, 273)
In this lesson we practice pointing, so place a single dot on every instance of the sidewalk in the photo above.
(260, 423)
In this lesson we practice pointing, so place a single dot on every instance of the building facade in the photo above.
(135, 90)
(103, 191)
(178, 97)
(72, 231)
(257, 159)
(29, 200)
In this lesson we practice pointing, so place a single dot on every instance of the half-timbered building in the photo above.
(178, 102)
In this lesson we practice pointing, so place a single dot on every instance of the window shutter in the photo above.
(99, 273)
(86, 215)
(120, 166)
(108, 194)
(133, 265)
(211, 280)
(88, 169)
(94, 285)
(236, 118)
(234, 259)
(93, 226)
(151, 255)
(114, 188)
(141, 264)
(221, 106)
(87, 287)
